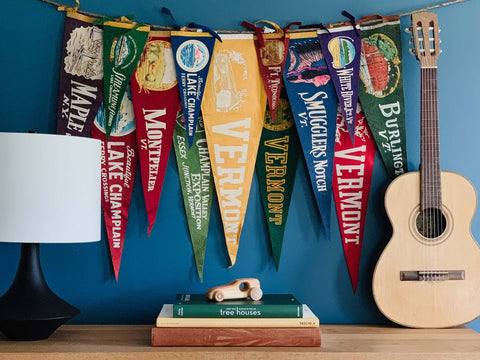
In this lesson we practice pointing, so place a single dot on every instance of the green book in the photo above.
(270, 306)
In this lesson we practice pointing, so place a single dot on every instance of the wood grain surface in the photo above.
(124, 342)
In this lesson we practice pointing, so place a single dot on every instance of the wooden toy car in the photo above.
(237, 289)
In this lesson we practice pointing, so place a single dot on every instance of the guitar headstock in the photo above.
(426, 40)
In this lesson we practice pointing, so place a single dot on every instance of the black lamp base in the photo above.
(29, 310)
(29, 330)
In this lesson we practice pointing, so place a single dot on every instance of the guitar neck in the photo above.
(431, 194)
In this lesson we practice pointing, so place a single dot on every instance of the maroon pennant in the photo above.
(271, 54)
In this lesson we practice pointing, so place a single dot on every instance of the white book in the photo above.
(166, 319)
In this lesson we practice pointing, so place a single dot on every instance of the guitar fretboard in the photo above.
(431, 194)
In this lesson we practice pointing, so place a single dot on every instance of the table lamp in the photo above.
(49, 193)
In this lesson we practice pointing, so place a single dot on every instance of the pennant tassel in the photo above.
(206, 29)
(167, 12)
(352, 20)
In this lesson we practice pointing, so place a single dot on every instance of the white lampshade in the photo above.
(49, 188)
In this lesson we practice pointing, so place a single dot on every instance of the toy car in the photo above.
(237, 289)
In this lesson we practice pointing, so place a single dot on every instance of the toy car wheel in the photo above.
(255, 293)
(218, 296)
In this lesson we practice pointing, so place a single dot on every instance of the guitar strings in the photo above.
(425, 166)
(431, 208)
(440, 222)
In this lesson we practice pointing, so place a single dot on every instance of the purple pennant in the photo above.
(342, 47)
(80, 90)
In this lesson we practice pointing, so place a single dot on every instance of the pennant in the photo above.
(80, 90)
(271, 54)
(314, 105)
(196, 181)
(123, 45)
(156, 102)
(341, 47)
(276, 168)
(233, 112)
(353, 166)
(119, 164)
(192, 53)
(381, 92)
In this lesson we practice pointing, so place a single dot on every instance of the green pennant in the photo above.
(276, 166)
(381, 92)
(196, 181)
(123, 45)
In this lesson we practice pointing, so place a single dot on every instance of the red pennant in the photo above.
(119, 164)
(156, 100)
(352, 174)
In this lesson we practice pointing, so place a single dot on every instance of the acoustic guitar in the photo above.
(428, 276)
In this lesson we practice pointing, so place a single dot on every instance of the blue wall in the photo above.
(155, 269)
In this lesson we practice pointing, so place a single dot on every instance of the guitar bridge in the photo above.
(432, 275)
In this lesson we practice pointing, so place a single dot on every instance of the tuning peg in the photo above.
(413, 52)
(408, 30)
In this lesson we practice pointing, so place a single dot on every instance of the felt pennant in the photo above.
(271, 53)
(381, 91)
(233, 112)
(314, 105)
(156, 102)
(80, 90)
(196, 181)
(123, 45)
(353, 166)
(341, 47)
(119, 164)
(276, 166)
(192, 53)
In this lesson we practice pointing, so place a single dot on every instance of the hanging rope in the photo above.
(64, 7)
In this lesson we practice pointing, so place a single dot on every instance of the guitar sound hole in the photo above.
(431, 223)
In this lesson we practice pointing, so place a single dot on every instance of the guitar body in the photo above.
(430, 303)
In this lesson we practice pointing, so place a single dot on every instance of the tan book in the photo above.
(166, 319)
(221, 336)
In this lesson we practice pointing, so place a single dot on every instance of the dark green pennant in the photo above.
(381, 92)
(196, 181)
(276, 166)
(122, 49)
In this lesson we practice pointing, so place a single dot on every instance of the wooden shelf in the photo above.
(101, 342)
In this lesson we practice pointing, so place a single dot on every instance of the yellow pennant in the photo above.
(233, 110)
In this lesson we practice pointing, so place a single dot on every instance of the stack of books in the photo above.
(275, 320)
